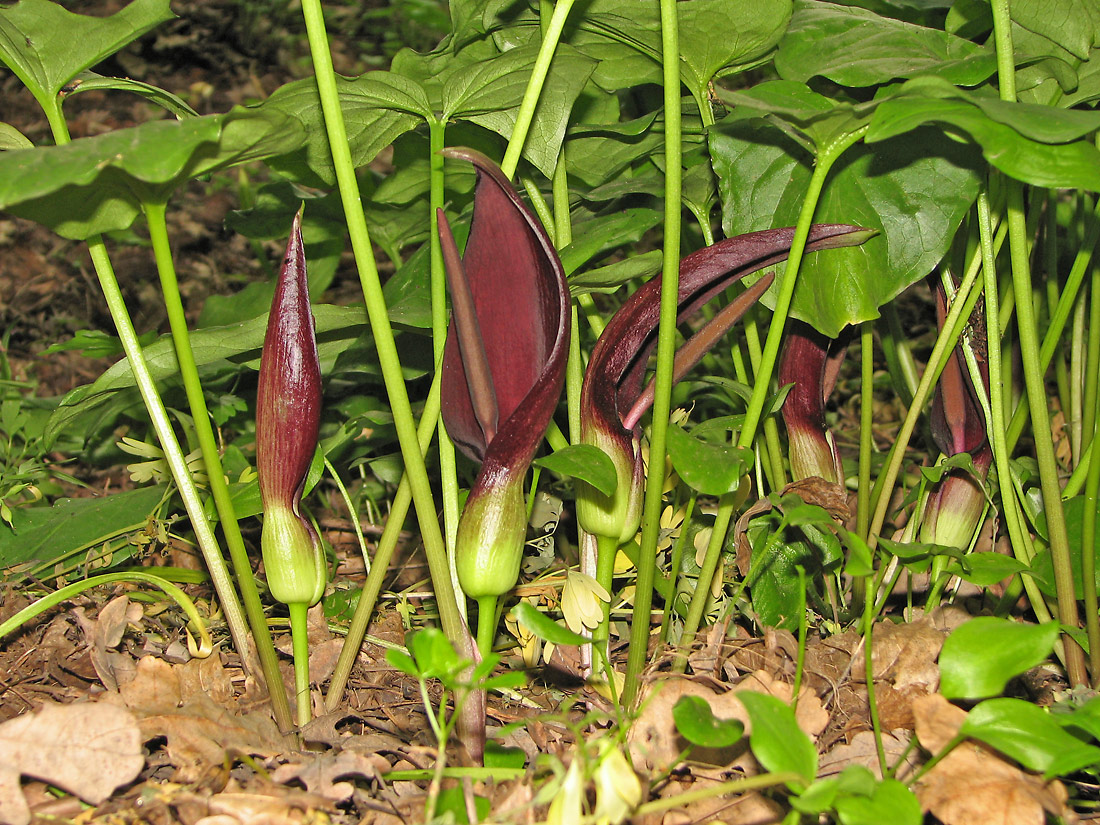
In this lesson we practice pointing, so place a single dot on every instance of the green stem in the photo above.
(196, 400)
(606, 550)
(1092, 362)
(869, 677)
(530, 100)
(1033, 377)
(1088, 560)
(486, 624)
(1081, 265)
(387, 543)
(785, 285)
(300, 639)
(388, 359)
(674, 567)
(448, 467)
(726, 506)
(666, 351)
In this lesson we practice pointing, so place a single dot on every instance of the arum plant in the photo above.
(503, 373)
(811, 369)
(954, 508)
(288, 417)
(613, 398)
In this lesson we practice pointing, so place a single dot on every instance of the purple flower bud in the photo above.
(807, 364)
(288, 415)
(503, 368)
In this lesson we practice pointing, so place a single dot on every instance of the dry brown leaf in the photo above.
(88, 749)
(974, 786)
(862, 751)
(906, 653)
(319, 773)
(172, 701)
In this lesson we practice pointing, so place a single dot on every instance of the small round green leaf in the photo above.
(979, 657)
(585, 462)
(712, 469)
(698, 724)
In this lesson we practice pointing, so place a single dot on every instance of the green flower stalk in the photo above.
(808, 365)
(288, 417)
(502, 376)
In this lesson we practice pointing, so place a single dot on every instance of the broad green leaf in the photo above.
(866, 49)
(713, 469)
(47, 534)
(544, 627)
(915, 190)
(12, 138)
(1075, 24)
(776, 740)
(775, 587)
(378, 107)
(889, 801)
(1028, 734)
(96, 184)
(490, 94)
(985, 569)
(47, 46)
(750, 30)
(1019, 139)
(583, 461)
(697, 723)
(980, 656)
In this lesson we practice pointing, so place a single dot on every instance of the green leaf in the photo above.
(47, 534)
(860, 559)
(402, 661)
(980, 656)
(378, 107)
(92, 82)
(544, 627)
(866, 49)
(697, 723)
(776, 740)
(985, 569)
(713, 469)
(890, 801)
(915, 190)
(12, 138)
(1025, 141)
(47, 46)
(501, 756)
(96, 184)
(1074, 24)
(1029, 735)
(490, 95)
(750, 30)
(606, 232)
(609, 278)
(583, 461)
(237, 343)
(435, 656)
